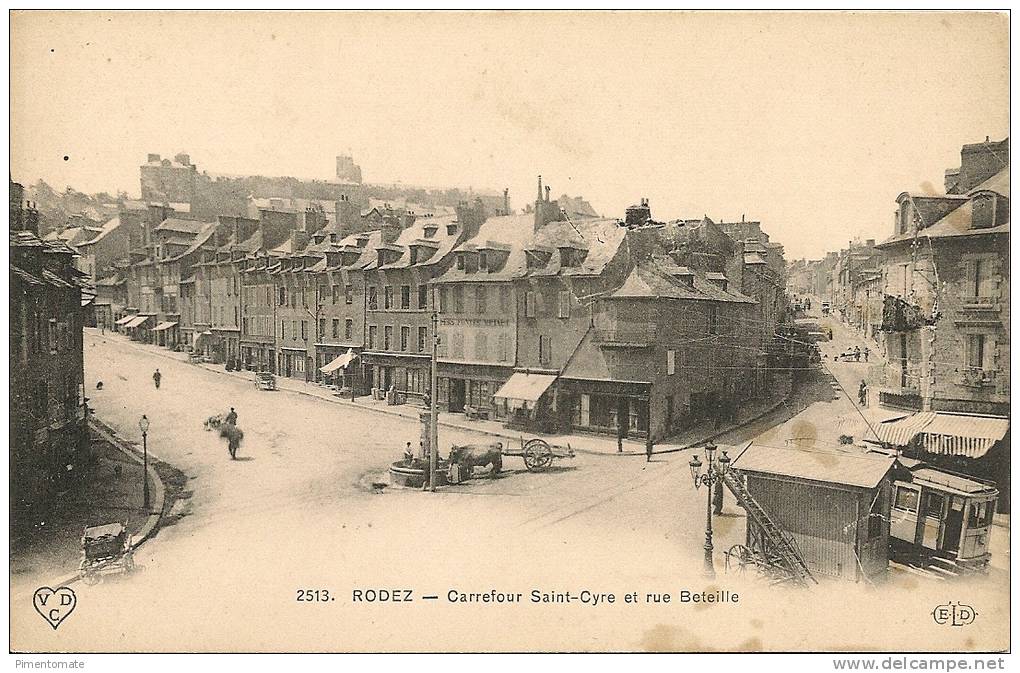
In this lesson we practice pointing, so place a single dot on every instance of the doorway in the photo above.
(623, 416)
(457, 395)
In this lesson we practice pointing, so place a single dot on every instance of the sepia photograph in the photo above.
(522, 331)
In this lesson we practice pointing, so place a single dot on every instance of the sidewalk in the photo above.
(581, 443)
(109, 492)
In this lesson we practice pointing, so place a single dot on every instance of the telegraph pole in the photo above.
(434, 400)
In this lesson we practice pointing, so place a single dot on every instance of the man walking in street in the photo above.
(156, 378)
(862, 394)
(867, 352)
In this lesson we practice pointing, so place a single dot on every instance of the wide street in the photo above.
(298, 511)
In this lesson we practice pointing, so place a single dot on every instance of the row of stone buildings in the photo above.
(934, 297)
(48, 436)
(553, 318)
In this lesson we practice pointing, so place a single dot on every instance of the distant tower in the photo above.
(347, 170)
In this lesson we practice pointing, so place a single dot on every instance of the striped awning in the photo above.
(899, 431)
(963, 435)
(946, 434)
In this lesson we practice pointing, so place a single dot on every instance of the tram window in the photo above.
(933, 505)
(980, 515)
(906, 498)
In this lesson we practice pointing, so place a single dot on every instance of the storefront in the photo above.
(294, 363)
(258, 357)
(166, 334)
(602, 407)
(406, 374)
(341, 371)
(472, 389)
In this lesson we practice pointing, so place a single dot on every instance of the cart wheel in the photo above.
(740, 557)
(537, 455)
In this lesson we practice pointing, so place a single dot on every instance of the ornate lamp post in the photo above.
(143, 425)
(715, 469)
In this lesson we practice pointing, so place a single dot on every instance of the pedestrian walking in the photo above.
(867, 352)
(717, 498)
(862, 394)
(648, 448)
(156, 378)
(619, 437)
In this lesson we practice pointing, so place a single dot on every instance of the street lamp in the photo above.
(715, 469)
(143, 425)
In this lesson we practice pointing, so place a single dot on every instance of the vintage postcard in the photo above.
(381, 332)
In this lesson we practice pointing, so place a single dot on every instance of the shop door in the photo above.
(458, 393)
(288, 364)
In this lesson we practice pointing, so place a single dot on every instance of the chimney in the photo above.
(153, 158)
(183, 159)
(506, 200)
(547, 190)
(870, 243)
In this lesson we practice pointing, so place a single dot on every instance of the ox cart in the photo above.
(538, 454)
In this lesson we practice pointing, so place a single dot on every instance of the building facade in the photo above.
(49, 444)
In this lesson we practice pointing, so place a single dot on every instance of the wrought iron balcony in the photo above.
(977, 377)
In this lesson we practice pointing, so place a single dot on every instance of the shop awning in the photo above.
(126, 319)
(164, 325)
(899, 431)
(136, 321)
(339, 363)
(963, 435)
(525, 387)
(946, 434)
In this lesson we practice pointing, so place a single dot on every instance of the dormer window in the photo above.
(483, 261)
(460, 261)
(430, 231)
(451, 229)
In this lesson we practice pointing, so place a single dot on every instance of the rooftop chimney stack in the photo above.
(506, 200)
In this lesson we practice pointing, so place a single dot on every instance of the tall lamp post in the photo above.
(434, 404)
(143, 425)
(715, 469)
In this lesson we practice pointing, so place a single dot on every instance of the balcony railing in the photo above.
(642, 335)
(977, 377)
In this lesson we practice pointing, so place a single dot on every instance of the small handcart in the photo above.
(105, 548)
(265, 381)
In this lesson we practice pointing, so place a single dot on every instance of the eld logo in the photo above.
(954, 614)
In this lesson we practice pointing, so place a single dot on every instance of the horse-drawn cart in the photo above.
(265, 381)
(105, 548)
(538, 454)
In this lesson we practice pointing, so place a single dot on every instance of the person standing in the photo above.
(867, 352)
(156, 378)
(231, 417)
(862, 394)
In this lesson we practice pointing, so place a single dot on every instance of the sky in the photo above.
(810, 123)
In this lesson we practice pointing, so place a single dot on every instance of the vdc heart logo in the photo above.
(54, 605)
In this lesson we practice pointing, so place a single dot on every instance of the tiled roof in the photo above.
(648, 282)
(600, 237)
(185, 226)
